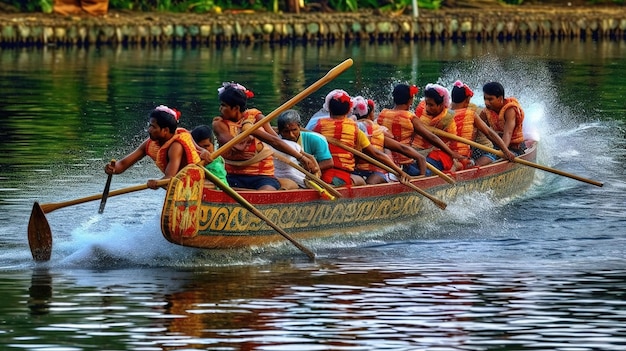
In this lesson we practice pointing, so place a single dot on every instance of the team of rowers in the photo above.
(398, 137)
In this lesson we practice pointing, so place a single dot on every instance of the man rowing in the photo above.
(408, 129)
(506, 117)
(250, 164)
(170, 147)
(338, 126)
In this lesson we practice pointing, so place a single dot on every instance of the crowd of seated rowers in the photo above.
(398, 137)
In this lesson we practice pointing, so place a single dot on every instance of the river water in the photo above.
(544, 271)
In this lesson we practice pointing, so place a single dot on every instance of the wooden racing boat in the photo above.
(196, 214)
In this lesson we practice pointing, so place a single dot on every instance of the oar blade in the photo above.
(39, 234)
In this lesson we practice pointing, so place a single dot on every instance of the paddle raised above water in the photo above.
(499, 153)
(39, 234)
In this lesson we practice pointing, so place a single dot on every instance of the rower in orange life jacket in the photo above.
(467, 123)
(408, 129)
(340, 127)
(460, 122)
(170, 147)
(505, 116)
(382, 140)
(250, 164)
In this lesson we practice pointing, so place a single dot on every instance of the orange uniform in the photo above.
(400, 124)
(346, 131)
(496, 121)
(376, 136)
(159, 152)
(259, 161)
(463, 126)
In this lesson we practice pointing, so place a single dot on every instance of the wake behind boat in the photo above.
(200, 216)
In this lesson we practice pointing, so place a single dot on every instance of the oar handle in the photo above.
(332, 74)
(440, 174)
(248, 206)
(379, 164)
(47, 208)
(499, 153)
(311, 184)
(105, 192)
(315, 179)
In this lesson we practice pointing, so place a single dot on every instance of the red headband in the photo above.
(170, 110)
(413, 90)
(342, 97)
(249, 93)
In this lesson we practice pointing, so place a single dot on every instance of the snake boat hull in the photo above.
(196, 214)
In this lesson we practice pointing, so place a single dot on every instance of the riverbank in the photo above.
(490, 23)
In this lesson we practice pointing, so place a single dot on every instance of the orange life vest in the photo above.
(463, 125)
(158, 153)
(376, 135)
(443, 121)
(496, 120)
(419, 110)
(264, 166)
(400, 124)
(347, 132)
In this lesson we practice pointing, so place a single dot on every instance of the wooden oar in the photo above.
(440, 174)
(39, 233)
(499, 153)
(332, 74)
(247, 205)
(442, 205)
(105, 192)
(327, 187)
(47, 208)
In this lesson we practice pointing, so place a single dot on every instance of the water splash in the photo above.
(566, 140)
(97, 244)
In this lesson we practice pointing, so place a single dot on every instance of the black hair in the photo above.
(288, 117)
(433, 94)
(164, 120)
(401, 94)
(234, 97)
(458, 94)
(493, 88)
(202, 132)
(338, 108)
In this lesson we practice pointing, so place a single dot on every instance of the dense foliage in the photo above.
(203, 6)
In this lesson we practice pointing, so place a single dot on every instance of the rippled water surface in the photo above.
(544, 271)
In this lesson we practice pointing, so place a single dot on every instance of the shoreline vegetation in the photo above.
(477, 20)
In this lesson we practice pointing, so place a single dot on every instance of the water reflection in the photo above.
(331, 306)
(40, 292)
